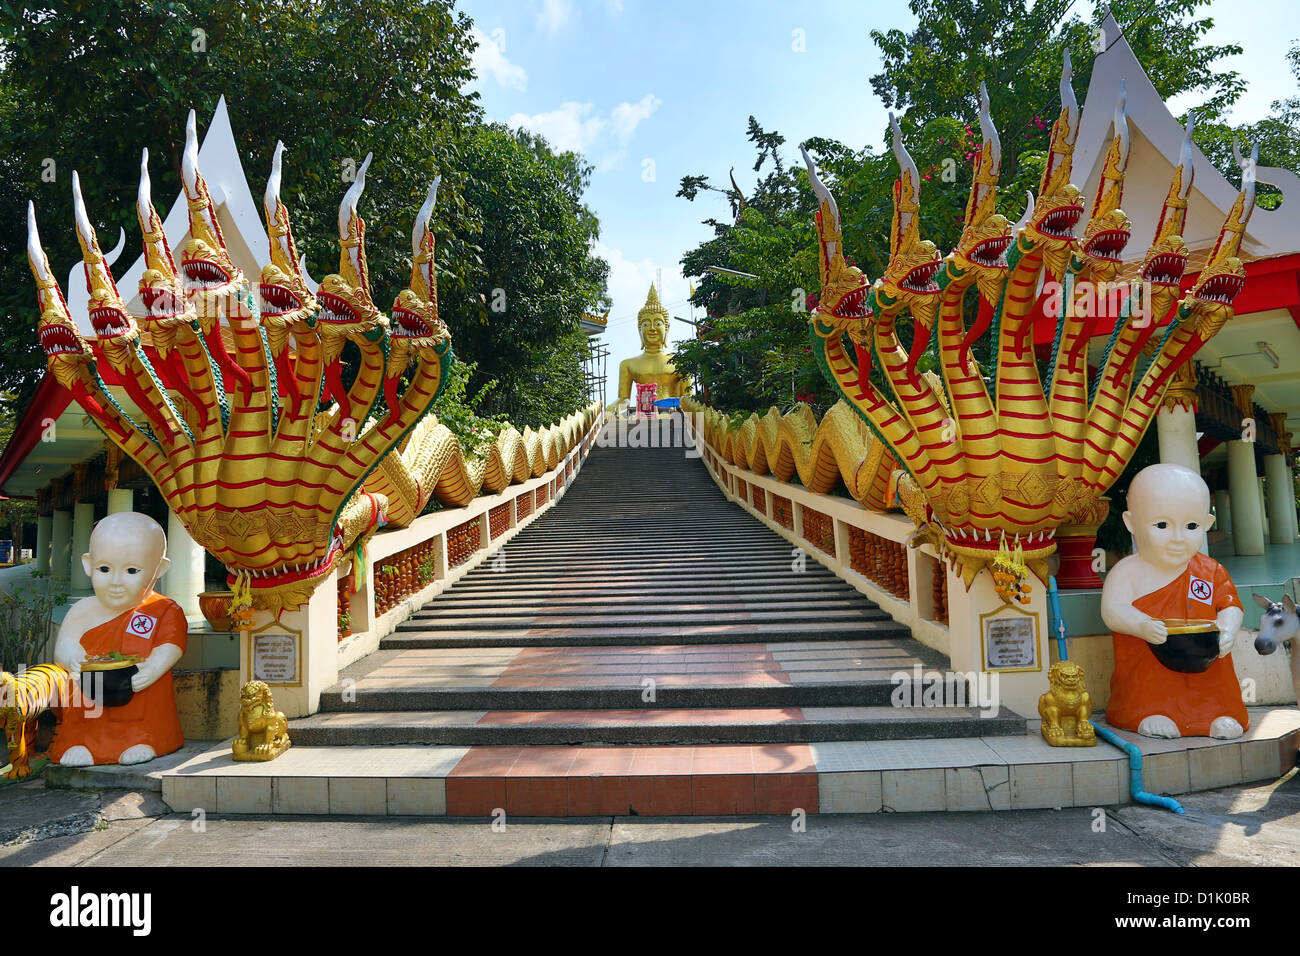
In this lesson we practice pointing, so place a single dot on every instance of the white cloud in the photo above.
(554, 15)
(577, 126)
(627, 116)
(572, 126)
(615, 7)
(490, 60)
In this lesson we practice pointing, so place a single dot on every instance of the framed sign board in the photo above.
(1010, 638)
(275, 655)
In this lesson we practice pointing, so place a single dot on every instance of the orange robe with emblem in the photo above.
(1141, 686)
(150, 716)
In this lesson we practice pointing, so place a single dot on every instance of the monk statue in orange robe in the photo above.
(124, 617)
(1168, 579)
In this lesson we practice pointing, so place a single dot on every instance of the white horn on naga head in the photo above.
(1068, 101)
(144, 193)
(819, 188)
(1248, 182)
(1121, 125)
(1029, 211)
(271, 198)
(190, 157)
(35, 252)
(989, 131)
(348, 207)
(1186, 163)
(423, 217)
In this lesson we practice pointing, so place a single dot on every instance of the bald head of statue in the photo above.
(128, 553)
(1168, 514)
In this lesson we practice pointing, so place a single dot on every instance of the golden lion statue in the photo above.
(263, 730)
(1065, 708)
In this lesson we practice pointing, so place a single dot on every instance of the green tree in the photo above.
(534, 275)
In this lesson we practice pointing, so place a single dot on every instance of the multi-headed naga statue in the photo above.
(989, 463)
(267, 482)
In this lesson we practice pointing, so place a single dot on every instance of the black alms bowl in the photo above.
(111, 688)
(1192, 646)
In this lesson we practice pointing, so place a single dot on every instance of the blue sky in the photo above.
(652, 90)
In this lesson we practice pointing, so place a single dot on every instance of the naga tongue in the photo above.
(217, 346)
(864, 366)
(390, 396)
(920, 342)
(284, 373)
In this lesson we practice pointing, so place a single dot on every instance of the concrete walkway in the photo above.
(1247, 825)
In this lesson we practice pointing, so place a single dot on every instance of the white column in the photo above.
(83, 520)
(1222, 512)
(183, 582)
(121, 499)
(1176, 430)
(1263, 508)
(42, 552)
(60, 544)
(1281, 500)
(1243, 492)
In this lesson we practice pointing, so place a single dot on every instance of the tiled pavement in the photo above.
(983, 773)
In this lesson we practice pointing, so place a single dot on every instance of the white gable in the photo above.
(1157, 139)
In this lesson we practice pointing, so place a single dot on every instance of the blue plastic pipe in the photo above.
(1134, 755)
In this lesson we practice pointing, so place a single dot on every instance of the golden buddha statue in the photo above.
(654, 365)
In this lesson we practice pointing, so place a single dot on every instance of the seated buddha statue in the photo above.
(654, 366)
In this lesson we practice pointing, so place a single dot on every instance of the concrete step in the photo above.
(610, 619)
(648, 726)
(417, 634)
(850, 673)
(993, 772)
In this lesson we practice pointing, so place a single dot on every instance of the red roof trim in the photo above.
(50, 401)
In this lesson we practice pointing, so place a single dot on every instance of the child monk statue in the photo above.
(127, 555)
(1169, 579)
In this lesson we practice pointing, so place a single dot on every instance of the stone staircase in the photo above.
(641, 610)
(646, 648)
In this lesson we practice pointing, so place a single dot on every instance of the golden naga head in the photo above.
(161, 289)
(207, 271)
(416, 328)
(346, 308)
(987, 233)
(1166, 259)
(1224, 275)
(913, 262)
(115, 329)
(844, 288)
(1050, 227)
(652, 322)
(1108, 229)
(65, 348)
(284, 301)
